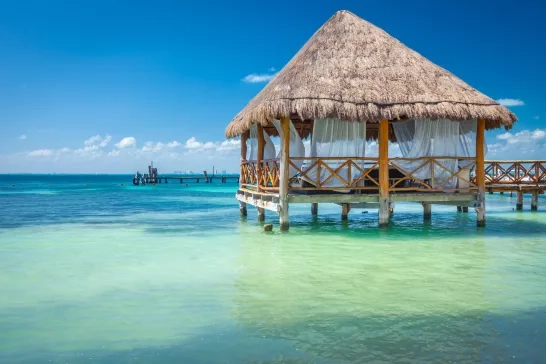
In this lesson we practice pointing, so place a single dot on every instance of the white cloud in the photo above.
(41, 153)
(173, 144)
(126, 142)
(258, 78)
(227, 145)
(22, 137)
(272, 69)
(511, 102)
(92, 140)
(536, 117)
(105, 141)
(97, 139)
(538, 134)
(194, 144)
(504, 136)
(528, 144)
(114, 153)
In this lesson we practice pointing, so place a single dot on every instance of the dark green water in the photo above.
(170, 274)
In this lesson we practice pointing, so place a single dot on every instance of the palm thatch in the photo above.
(354, 71)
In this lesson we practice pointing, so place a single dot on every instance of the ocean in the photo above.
(95, 272)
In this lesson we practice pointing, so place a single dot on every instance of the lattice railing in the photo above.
(433, 174)
(360, 174)
(515, 172)
(249, 175)
(337, 174)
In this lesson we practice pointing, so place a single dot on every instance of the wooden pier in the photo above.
(194, 179)
(153, 178)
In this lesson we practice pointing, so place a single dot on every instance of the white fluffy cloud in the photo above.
(511, 102)
(259, 78)
(93, 157)
(22, 137)
(41, 153)
(126, 142)
(525, 144)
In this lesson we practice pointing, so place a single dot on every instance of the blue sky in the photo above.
(105, 86)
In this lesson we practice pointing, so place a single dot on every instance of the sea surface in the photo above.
(92, 271)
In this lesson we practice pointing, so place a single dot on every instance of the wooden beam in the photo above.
(314, 209)
(480, 171)
(383, 172)
(284, 173)
(261, 146)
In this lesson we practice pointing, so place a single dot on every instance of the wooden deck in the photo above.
(259, 184)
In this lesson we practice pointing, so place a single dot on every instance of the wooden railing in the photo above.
(349, 173)
(515, 172)
(405, 174)
(427, 174)
(433, 174)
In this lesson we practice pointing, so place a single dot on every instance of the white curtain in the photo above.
(436, 138)
(296, 147)
(269, 148)
(336, 138)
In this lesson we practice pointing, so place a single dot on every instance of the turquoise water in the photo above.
(171, 274)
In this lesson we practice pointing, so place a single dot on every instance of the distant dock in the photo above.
(153, 178)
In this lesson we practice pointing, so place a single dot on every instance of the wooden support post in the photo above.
(534, 201)
(345, 208)
(480, 172)
(244, 138)
(261, 214)
(284, 174)
(383, 172)
(519, 200)
(459, 208)
(314, 209)
(427, 211)
(465, 208)
(242, 208)
(261, 145)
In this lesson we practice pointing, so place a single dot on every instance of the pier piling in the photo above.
(427, 211)
(519, 200)
(314, 209)
(345, 208)
(534, 201)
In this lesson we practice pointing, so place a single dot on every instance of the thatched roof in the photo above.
(352, 70)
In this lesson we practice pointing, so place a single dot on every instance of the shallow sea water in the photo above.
(171, 274)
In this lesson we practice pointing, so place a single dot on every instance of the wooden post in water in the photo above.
(519, 200)
(427, 211)
(314, 209)
(261, 214)
(534, 201)
(383, 173)
(284, 174)
(480, 172)
(242, 208)
(345, 208)
(465, 208)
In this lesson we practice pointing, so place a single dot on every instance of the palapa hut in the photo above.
(351, 83)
